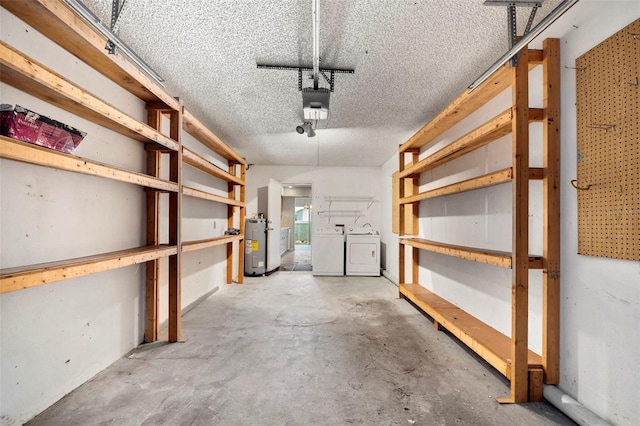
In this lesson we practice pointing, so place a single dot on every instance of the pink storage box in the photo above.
(25, 125)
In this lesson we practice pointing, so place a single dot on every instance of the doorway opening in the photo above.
(297, 217)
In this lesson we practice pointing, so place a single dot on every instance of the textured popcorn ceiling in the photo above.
(411, 58)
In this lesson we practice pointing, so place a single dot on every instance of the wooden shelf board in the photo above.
(34, 78)
(488, 132)
(466, 103)
(196, 129)
(13, 149)
(59, 23)
(483, 181)
(197, 193)
(12, 279)
(199, 162)
(490, 257)
(460, 108)
(210, 242)
(483, 339)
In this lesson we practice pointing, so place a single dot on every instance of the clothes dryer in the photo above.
(363, 252)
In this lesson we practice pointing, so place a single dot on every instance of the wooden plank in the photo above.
(495, 128)
(199, 162)
(486, 341)
(460, 108)
(230, 211)
(395, 200)
(536, 173)
(188, 246)
(488, 132)
(490, 257)
(196, 129)
(412, 187)
(536, 386)
(241, 219)
(13, 149)
(59, 23)
(34, 78)
(551, 216)
(401, 222)
(12, 279)
(465, 104)
(152, 268)
(175, 231)
(535, 57)
(520, 231)
(192, 192)
(490, 179)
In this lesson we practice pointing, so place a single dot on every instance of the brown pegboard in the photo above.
(608, 178)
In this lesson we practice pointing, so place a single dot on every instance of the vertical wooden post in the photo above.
(175, 238)
(231, 193)
(401, 222)
(520, 236)
(414, 212)
(152, 323)
(243, 171)
(551, 204)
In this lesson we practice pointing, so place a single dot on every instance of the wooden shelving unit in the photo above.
(59, 23)
(510, 355)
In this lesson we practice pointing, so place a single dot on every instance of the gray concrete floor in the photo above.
(294, 349)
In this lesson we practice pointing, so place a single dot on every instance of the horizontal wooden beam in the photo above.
(483, 181)
(460, 108)
(490, 257)
(483, 339)
(536, 173)
(30, 76)
(209, 242)
(488, 132)
(12, 149)
(466, 103)
(60, 24)
(197, 193)
(196, 129)
(535, 58)
(199, 162)
(12, 279)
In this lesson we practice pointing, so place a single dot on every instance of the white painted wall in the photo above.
(325, 181)
(600, 307)
(55, 337)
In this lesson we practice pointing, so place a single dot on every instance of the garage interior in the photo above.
(475, 164)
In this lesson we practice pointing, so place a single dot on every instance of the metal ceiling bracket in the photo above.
(85, 13)
(530, 21)
(116, 13)
(525, 40)
(512, 22)
(513, 32)
(331, 79)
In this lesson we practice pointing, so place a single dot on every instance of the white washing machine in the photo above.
(363, 252)
(327, 251)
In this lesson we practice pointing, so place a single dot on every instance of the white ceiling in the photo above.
(411, 58)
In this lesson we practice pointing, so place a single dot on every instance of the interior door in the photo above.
(274, 213)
